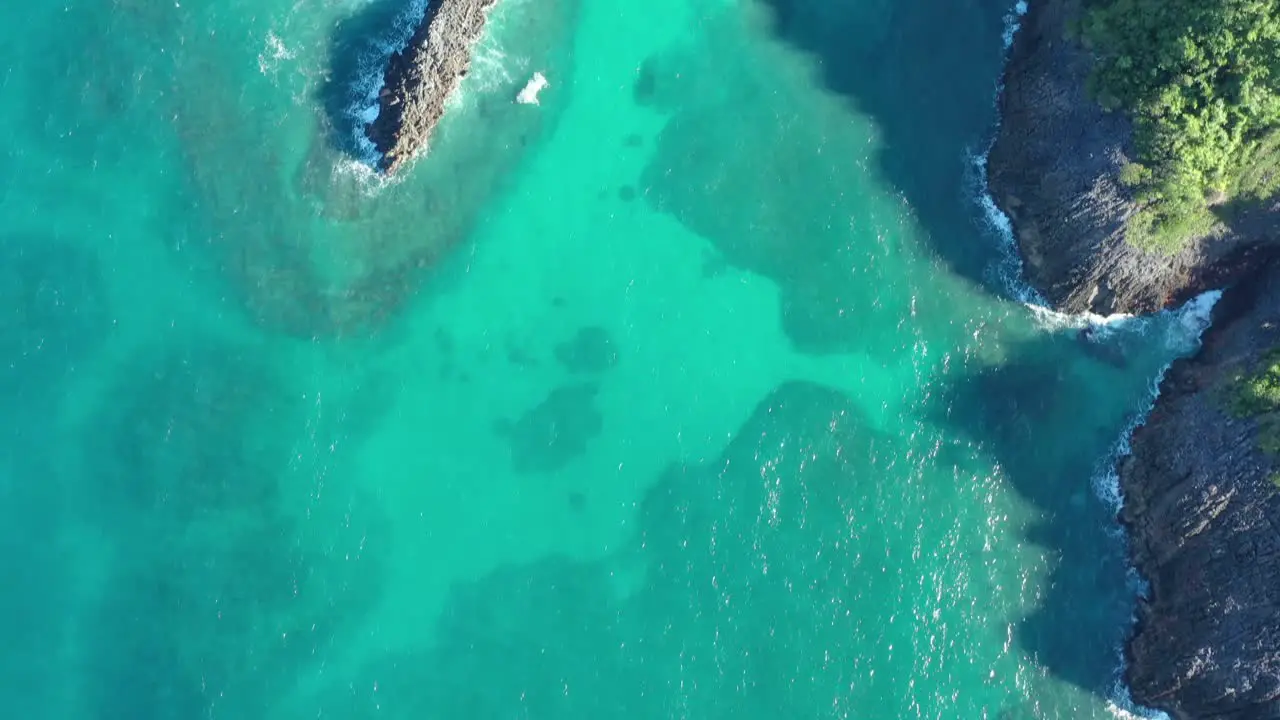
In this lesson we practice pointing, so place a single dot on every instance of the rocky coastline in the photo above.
(420, 79)
(1054, 171)
(1201, 504)
(1203, 513)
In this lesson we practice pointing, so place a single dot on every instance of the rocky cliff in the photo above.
(1203, 509)
(1054, 170)
(1200, 502)
(419, 79)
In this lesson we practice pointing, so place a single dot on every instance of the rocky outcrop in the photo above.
(1200, 503)
(1203, 512)
(419, 79)
(1054, 171)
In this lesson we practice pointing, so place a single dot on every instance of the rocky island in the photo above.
(420, 78)
(1104, 222)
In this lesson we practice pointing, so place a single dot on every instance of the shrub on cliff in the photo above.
(1256, 396)
(1259, 393)
(1201, 80)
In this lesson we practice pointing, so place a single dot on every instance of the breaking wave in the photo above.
(273, 53)
(1006, 273)
(371, 65)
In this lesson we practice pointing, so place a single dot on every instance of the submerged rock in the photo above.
(419, 79)
(556, 431)
(590, 351)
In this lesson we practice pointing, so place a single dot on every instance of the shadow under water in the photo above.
(1050, 417)
(926, 74)
(841, 246)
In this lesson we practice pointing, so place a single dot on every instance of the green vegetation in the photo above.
(1201, 80)
(1259, 393)
(1257, 396)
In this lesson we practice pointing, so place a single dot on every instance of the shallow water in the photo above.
(694, 391)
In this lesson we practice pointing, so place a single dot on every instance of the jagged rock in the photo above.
(1204, 521)
(419, 79)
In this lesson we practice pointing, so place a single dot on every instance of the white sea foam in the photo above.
(529, 94)
(1120, 703)
(1182, 331)
(1008, 271)
(491, 68)
(1179, 332)
(364, 175)
(1013, 21)
(274, 51)
(1051, 319)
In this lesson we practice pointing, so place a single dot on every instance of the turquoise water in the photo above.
(696, 391)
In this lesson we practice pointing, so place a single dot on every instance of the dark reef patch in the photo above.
(216, 596)
(646, 83)
(591, 351)
(53, 312)
(518, 355)
(192, 433)
(555, 431)
(746, 605)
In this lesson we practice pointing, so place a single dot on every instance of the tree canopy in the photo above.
(1201, 80)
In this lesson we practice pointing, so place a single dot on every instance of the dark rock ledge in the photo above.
(1203, 514)
(1201, 506)
(419, 79)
